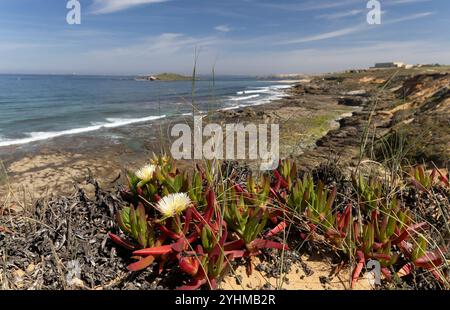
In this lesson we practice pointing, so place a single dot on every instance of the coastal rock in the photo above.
(361, 92)
(352, 101)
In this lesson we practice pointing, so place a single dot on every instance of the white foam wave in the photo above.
(271, 93)
(263, 90)
(112, 123)
(244, 98)
(281, 86)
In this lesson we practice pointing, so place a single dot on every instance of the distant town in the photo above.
(384, 65)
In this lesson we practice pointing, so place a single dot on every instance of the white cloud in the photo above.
(310, 5)
(354, 29)
(111, 6)
(163, 44)
(316, 60)
(343, 14)
(316, 5)
(175, 52)
(326, 35)
(409, 17)
(13, 46)
(223, 28)
(394, 2)
(165, 52)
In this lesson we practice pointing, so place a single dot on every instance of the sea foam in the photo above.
(111, 123)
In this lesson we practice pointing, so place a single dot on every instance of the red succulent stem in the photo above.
(380, 256)
(168, 232)
(359, 267)
(189, 265)
(237, 253)
(267, 244)
(405, 270)
(281, 179)
(408, 232)
(239, 189)
(387, 274)
(201, 219)
(141, 264)
(443, 178)
(119, 241)
(161, 250)
(278, 229)
(187, 220)
(234, 245)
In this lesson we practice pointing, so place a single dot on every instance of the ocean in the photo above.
(40, 107)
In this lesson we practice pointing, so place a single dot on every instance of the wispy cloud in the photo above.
(111, 6)
(326, 35)
(165, 52)
(13, 46)
(394, 2)
(343, 14)
(325, 60)
(325, 5)
(223, 28)
(163, 44)
(354, 29)
(310, 5)
(409, 17)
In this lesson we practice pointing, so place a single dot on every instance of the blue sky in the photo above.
(235, 36)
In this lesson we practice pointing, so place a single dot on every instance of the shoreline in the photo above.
(325, 152)
(321, 120)
(53, 165)
(230, 97)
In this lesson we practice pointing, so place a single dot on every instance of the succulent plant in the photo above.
(202, 223)
(425, 181)
(196, 230)
(370, 192)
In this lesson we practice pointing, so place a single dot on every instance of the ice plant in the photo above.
(249, 221)
(133, 222)
(201, 223)
(173, 204)
(316, 202)
(369, 192)
(146, 173)
(425, 181)
(420, 257)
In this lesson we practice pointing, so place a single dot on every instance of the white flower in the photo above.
(146, 173)
(173, 204)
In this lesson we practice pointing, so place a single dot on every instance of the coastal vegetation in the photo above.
(376, 189)
(221, 219)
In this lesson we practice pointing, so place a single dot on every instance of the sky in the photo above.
(240, 37)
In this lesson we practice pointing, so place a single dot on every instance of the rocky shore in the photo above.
(321, 119)
(338, 120)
